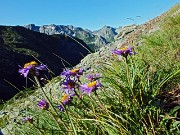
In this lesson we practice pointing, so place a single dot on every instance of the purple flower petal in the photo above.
(43, 104)
(69, 85)
(41, 67)
(25, 71)
(92, 77)
(60, 107)
(28, 119)
(66, 100)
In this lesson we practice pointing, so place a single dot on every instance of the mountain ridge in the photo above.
(94, 39)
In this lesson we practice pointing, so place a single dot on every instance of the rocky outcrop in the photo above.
(19, 45)
(108, 33)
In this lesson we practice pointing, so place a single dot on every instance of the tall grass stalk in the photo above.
(50, 102)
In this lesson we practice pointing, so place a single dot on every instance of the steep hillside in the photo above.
(130, 87)
(131, 35)
(19, 45)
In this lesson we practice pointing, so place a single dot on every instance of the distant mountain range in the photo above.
(19, 45)
(94, 39)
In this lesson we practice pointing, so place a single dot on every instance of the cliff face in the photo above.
(19, 45)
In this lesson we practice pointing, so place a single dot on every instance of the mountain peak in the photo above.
(106, 27)
(107, 32)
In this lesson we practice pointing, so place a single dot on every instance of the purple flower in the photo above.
(92, 77)
(69, 84)
(74, 72)
(25, 71)
(124, 52)
(43, 104)
(92, 86)
(28, 119)
(33, 68)
(66, 99)
(60, 107)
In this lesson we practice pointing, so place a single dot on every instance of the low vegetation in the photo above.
(137, 94)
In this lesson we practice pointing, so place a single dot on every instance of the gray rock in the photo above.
(124, 31)
(107, 32)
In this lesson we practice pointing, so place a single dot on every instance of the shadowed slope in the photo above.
(18, 45)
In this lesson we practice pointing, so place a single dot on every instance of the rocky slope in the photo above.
(19, 45)
(94, 40)
(127, 35)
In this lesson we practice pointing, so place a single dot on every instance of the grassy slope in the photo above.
(131, 100)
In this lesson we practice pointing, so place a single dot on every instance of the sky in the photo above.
(88, 14)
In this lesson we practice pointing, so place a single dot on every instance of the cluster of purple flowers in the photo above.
(72, 81)
(69, 84)
(32, 68)
(124, 52)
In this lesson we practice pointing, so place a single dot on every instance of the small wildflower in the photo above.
(43, 104)
(60, 107)
(66, 99)
(28, 119)
(92, 77)
(69, 85)
(33, 68)
(124, 52)
(92, 86)
(74, 72)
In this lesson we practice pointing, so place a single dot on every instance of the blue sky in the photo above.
(90, 14)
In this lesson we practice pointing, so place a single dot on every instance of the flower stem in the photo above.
(128, 75)
(81, 99)
(47, 98)
(73, 127)
(38, 129)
